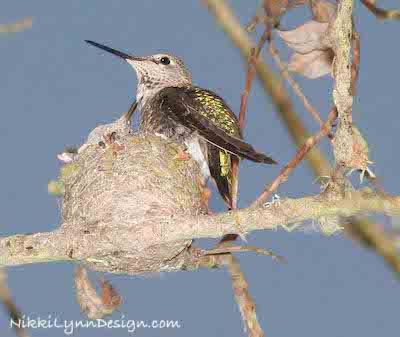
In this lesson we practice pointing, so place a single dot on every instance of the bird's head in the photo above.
(154, 72)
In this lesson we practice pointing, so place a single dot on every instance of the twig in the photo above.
(374, 182)
(241, 249)
(308, 145)
(240, 289)
(276, 9)
(255, 20)
(11, 308)
(381, 13)
(296, 88)
(254, 54)
(243, 104)
(355, 69)
(245, 94)
(355, 66)
(339, 37)
(375, 238)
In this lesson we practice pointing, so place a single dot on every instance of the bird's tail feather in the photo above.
(220, 171)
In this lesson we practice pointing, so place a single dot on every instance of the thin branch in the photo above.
(11, 308)
(240, 289)
(355, 66)
(355, 69)
(295, 86)
(340, 35)
(243, 105)
(242, 249)
(380, 13)
(255, 53)
(287, 170)
(374, 182)
(249, 78)
(375, 238)
(255, 20)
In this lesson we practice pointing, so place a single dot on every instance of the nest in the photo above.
(115, 189)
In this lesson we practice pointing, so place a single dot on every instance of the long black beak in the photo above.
(114, 52)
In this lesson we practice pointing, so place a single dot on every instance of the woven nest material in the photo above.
(117, 187)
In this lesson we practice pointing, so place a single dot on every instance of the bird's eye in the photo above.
(165, 60)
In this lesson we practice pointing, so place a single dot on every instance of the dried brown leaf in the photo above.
(90, 302)
(312, 65)
(312, 58)
(305, 38)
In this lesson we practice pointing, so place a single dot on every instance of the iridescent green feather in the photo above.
(216, 110)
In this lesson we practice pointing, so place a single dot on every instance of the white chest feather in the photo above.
(195, 151)
(143, 94)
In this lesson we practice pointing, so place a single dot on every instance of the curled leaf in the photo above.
(305, 38)
(315, 64)
(91, 303)
(312, 56)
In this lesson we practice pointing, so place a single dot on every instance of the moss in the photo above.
(68, 169)
(55, 187)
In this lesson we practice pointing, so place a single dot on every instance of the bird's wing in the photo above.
(202, 111)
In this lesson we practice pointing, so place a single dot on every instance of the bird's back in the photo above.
(185, 112)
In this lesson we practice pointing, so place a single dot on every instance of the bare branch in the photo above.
(308, 145)
(296, 88)
(241, 249)
(240, 289)
(355, 67)
(381, 13)
(255, 20)
(340, 35)
(375, 238)
(243, 105)
(10, 307)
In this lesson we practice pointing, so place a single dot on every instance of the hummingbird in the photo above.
(173, 107)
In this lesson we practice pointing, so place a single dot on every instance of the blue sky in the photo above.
(56, 88)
